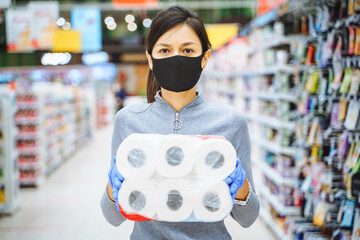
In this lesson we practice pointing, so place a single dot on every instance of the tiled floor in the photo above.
(67, 206)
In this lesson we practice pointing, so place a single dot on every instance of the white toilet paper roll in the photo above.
(175, 200)
(213, 203)
(137, 197)
(136, 155)
(215, 158)
(175, 155)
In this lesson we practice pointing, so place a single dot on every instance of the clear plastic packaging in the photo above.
(175, 178)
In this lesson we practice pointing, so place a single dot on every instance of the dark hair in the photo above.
(161, 23)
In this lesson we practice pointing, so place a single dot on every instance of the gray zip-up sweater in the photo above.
(198, 117)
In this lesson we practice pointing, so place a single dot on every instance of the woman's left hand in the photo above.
(236, 179)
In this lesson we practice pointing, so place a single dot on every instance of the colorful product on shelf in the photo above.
(52, 120)
(321, 152)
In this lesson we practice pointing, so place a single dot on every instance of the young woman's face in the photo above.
(179, 40)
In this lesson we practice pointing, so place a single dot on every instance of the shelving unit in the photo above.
(276, 148)
(273, 200)
(274, 175)
(271, 121)
(29, 139)
(9, 177)
(53, 121)
(266, 217)
(299, 92)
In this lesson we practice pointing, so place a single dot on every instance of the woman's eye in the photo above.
(164, 51)
(188, 51)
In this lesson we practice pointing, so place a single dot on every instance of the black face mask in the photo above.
(177, 73)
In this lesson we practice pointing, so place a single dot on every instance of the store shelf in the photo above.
(271, 44)
(276, 97)
(28, 150)
(31, 181)
(53, 164)
(274, 70)
(33, 165)
(227, 92)
(273, 175)
(9, 178)
(273, 201)
(265, 70)
(21, 104)
(266, 217)
(276, 148)
(27, 135)
(27, 120)
(271, 122)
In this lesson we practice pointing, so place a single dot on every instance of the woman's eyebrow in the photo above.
(188, 43)
(169, 45)
(163, 44)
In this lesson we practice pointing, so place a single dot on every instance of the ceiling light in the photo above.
(61, 21)
(132, 27)
(129, 18)
(147, 22)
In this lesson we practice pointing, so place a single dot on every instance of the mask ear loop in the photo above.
(202, 58)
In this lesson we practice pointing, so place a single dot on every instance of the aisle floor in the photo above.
(66, 206)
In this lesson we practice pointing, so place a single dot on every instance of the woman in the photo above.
(177, 49)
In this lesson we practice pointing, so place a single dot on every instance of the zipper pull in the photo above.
(176, 124)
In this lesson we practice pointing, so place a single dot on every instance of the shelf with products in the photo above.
(29, 139)
(274, 175)
(271, 121)
(58, 111)
(264, 70)
(322, 84)
(266, 217)
(276, 97)
(329, 123)
(275, 41)
(276, 148)
(9, 180)
(280, 207)
(49, 128)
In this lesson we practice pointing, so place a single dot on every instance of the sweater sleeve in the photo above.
(108, 207)
(245, 215)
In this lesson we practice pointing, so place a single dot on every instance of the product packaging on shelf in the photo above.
(312, 56)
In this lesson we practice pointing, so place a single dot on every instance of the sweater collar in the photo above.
(198, 99)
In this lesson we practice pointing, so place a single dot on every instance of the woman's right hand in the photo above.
(115, 181)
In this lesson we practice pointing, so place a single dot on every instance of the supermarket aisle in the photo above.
(67, 206)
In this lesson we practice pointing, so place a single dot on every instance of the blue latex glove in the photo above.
(115, 179)
(236, 179)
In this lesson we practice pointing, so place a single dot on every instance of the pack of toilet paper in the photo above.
(175, 178)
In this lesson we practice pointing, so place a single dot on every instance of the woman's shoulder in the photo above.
(135, 108)
(226, 110)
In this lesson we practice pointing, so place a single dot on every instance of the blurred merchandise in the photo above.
(67, 41)
(5, 3)
(265, 6)
(31, 27)
(56, 112)
(9, 176)
(134, 3)
(88, 22)
(43, 23)
(300, 93)
(18, 30)
(219, 34)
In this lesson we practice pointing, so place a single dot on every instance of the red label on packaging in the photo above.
(133, 217)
